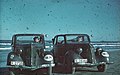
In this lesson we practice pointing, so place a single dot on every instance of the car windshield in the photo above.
(77, 39)
(25, 39)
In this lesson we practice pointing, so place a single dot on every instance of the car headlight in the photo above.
(105, 54)
(48, 58)
(21, 50)
(12, 56)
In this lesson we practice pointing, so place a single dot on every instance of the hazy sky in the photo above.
(98, 18)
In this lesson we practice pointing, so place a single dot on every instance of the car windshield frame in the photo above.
(70, 39)
(25, 38)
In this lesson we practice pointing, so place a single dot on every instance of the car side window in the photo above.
(86, 39)
(60, 40)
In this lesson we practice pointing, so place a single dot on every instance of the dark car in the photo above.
(74, 52)
(28, 56)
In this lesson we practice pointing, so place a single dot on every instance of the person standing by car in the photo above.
(38, 53)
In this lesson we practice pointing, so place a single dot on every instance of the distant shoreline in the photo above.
(9, 41)
(107, 45)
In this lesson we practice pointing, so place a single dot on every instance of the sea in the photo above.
(5, 48)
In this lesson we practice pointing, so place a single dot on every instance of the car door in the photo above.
(59, 48)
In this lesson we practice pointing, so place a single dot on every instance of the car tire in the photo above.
(101, 68)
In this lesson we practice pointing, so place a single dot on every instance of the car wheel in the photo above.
(101, 68)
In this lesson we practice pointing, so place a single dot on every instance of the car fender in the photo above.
(12, 56)
(101, 58)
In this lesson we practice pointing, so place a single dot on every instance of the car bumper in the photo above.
(32, 67)
(87, 64)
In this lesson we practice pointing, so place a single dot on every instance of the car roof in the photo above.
(71, 34)
(28, 34)
(15, 35)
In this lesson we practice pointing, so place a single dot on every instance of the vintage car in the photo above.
(74, 52)
(28, 56)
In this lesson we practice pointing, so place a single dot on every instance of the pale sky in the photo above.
(98, 18)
